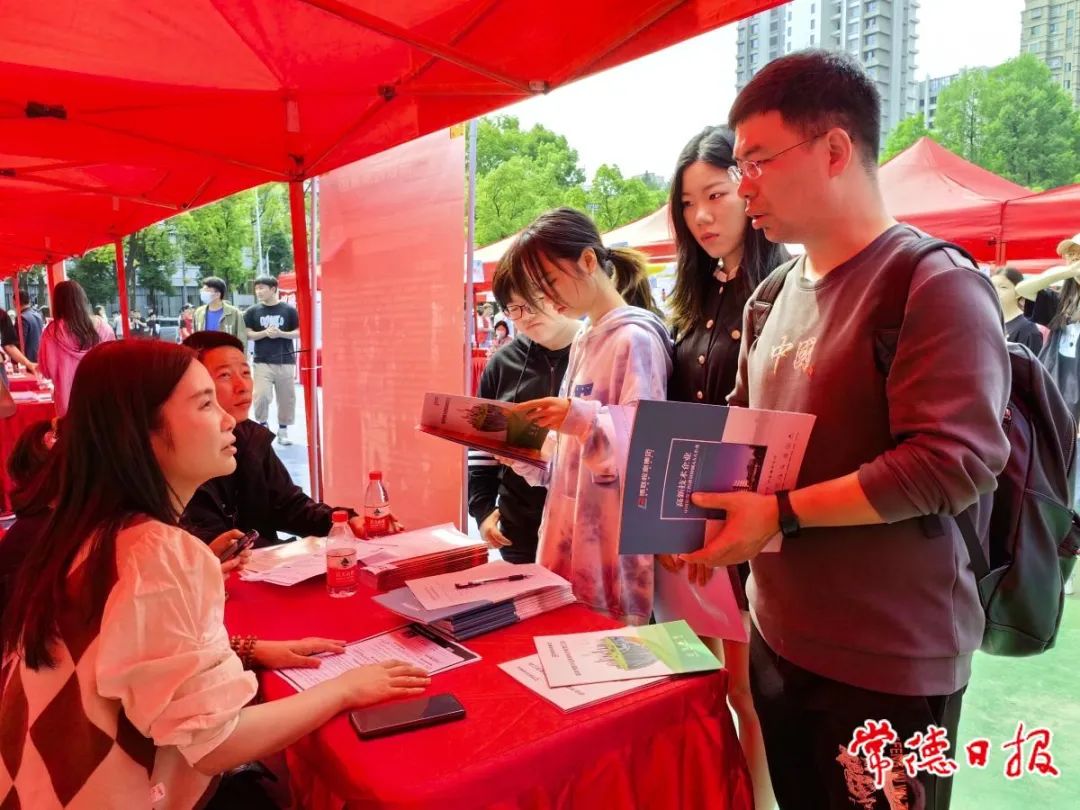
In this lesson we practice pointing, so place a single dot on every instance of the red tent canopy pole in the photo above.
(307, 328)
(55, 275)
(18, 311)
(121, 287)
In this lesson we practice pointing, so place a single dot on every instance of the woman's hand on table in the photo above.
(285, 654)
(356, 524)
(366, 686)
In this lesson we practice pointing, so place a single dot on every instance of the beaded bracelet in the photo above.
(244, 647)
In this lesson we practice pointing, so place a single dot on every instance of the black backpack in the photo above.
(1034, 535)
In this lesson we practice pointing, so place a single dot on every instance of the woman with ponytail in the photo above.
(623, 355)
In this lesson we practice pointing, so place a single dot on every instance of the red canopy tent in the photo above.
(651, 234)
(935, 190)
(1034, 225)
(115, 114)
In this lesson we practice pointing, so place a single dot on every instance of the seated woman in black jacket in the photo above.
(260, 495)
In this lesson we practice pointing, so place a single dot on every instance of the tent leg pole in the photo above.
(307, 328)
(122, 289)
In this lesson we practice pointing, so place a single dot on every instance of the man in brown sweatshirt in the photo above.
(864, 614)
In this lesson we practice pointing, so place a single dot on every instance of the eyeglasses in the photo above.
(515, 312)
(751, 169)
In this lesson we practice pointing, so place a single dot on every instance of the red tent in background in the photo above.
(1034, 225)
(489, 256)
(935, 190)
(652, 235)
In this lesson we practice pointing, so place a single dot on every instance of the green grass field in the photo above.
(1042, 692)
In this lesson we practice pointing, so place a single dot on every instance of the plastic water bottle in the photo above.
(376, 507)
(341, 570)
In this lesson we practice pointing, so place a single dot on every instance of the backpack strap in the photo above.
(893, 295)
(767, 294)
(979, 562)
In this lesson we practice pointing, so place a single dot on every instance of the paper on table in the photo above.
(300, 560)
(289, 573)
(430, 540)
(529, 673)
(413, 644)
(623, 654)
(710, 610)
(439, 591)
(270, 557)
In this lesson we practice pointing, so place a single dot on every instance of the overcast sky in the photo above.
(638, 116)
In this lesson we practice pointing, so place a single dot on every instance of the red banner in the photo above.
(392, 241)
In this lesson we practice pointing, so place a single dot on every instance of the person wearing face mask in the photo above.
(215, 315)
(505, 506)
(274, 326)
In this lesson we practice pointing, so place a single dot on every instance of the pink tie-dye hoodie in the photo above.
(622, 358)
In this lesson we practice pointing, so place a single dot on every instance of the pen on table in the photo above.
(477, 582)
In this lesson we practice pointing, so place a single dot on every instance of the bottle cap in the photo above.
(340, 516)
(375, 476)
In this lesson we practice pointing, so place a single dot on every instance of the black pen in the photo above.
(477, 582)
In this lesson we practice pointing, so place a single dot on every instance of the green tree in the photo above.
(215, 237)
(149, 260)
(273, 219)
(903, 136)
(500, 138)
(1014, 120)
(614, 200)
(520, 174)
(958, 123)
(96, 272)
(511, 195)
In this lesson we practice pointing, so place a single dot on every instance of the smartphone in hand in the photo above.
(241, 545)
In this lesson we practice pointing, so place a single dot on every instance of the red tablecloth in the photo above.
(478, 366)
(22, 382)
(10, 430)
(670, 746)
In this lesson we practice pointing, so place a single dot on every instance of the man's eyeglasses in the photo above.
(515, 312)
(751, 169)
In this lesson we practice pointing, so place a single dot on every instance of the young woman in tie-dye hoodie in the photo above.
(622, 356)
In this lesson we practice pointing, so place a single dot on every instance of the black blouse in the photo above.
(707, 356)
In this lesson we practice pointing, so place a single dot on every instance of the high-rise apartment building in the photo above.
(926, 94)
(881, 34)
(1050, 31)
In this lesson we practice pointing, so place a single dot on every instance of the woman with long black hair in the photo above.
(119, 686)
(73, 332)
(721, 259)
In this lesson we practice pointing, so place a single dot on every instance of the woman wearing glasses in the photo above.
(506, 507)
(721, 260)
(623, 355)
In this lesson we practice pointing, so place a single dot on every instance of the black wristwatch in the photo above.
(789, 523)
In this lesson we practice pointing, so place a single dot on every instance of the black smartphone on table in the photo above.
(241, 545)
(378, 721)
